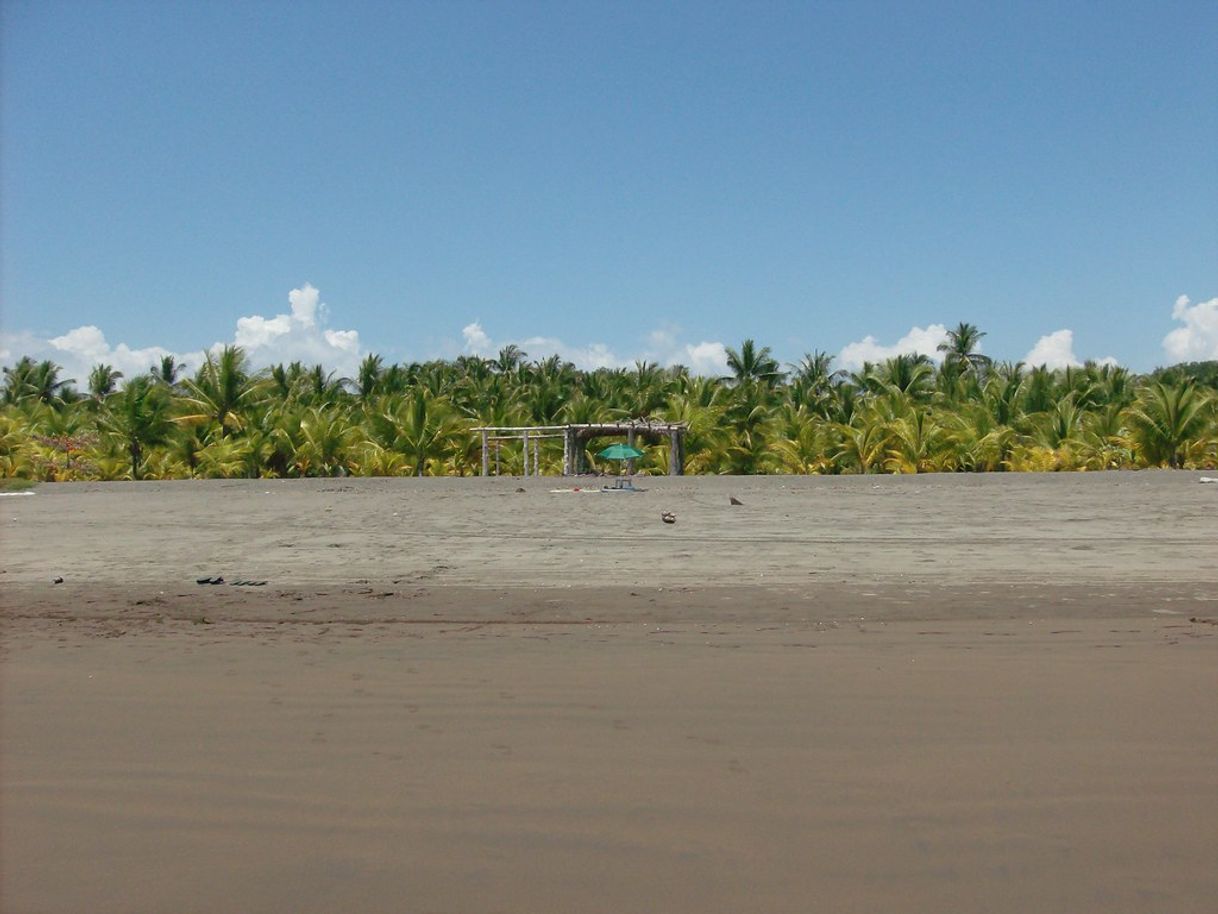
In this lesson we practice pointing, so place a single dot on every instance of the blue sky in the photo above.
(610, 181)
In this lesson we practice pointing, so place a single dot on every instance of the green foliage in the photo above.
(137, 419)
(1205, 374)
(906, 415)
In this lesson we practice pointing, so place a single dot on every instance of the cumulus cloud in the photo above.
(1197, 340)
(79, 350)
(476, 341)
(301, 334)
(663, 346)
(1053, 350)
(919, 340)
(588, 357)
(705, 358)
(1056, 350)
(87, 346)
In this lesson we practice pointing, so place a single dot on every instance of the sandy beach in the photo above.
(924, 693)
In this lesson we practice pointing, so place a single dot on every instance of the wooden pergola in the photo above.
(573, 436)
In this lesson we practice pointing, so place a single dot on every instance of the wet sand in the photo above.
(918, 694)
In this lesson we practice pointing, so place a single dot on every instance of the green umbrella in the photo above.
(620, 452)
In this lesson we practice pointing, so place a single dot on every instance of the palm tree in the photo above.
(813, 381)
(510, 358)
(368, 381)
(862, 443)
(804, 442)
(221, 390)
(1166, 420)
(30, 380)
(327, 437)
(918, 444)
(167, 371)
(910, 373)
(138, 418)
(981, 444)
(103, 380)
(752, 364)
(960, 350)
(419, 426)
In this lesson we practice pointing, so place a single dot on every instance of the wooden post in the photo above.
(486, 457)
(675, 457)
(566, 452)
(525, 440)
(537, 457)
(630, 442)
(498, 450)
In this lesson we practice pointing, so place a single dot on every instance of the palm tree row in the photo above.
(903, 415)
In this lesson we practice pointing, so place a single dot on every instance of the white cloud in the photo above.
(1053, 350)
(703, 358)
(306, 304)
(300, 335)
(345, 340)
(706, 358)
(79, 350)
(588, 357)
(594, 355)
(663, 346)
(1056, 350)
(924, 340)
(476, 341)
(1197, 340)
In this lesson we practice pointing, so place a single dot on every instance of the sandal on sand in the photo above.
(668, 517)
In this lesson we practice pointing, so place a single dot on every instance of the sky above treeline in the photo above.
(608, 182)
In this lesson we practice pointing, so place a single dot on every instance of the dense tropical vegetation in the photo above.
(905, 415)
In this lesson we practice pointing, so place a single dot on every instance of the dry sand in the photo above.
(847, 694)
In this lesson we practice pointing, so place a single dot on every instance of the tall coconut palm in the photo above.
(918, 444)
(804, 442)
(1059, 426)
(420, 426)
(961, 349)
(167, 370)
(812, 381)
(979, 441)
(17, 455)
(863, 442)
(1166, 419)
(368, 380)
(749, 363)
(326, 439)
(911, 374)
(103, 381)
(509, 359)
(138, 418)
(221, 391)
(40, 381)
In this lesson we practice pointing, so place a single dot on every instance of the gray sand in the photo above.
(916, 694)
